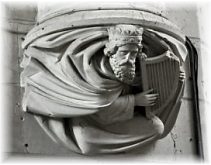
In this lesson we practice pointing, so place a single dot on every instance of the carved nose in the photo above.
(127, 56)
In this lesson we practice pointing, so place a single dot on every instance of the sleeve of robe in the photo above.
(121, 109)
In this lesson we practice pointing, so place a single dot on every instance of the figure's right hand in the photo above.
(145, 98)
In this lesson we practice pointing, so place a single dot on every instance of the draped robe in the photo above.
(78, 101)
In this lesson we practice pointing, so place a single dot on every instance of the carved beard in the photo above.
(123, 70)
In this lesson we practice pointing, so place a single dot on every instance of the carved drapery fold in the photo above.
(61, 75)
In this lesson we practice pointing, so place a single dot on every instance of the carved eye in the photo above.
(123, 53)
(132, 40)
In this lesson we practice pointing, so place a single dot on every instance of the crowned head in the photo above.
(125, 34)
(124, 44)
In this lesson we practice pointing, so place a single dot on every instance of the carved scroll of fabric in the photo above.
(161, 73)
(82, 104)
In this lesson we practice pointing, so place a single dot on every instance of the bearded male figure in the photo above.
(122, 53)
(93, 102)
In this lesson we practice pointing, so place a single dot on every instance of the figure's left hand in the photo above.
(143, 56)
(182, 76)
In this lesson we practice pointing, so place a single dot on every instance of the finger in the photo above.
(148, 91)
(182, 80)
(149, 97)
(152, 95)
(152, 99)
(150, 104)
(182, 77)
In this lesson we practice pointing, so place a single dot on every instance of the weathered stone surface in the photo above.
(18, 17)
(36, 141)
(12, 36)
(24, 134)
(11, 64)
(184, 16)
(14, 118)
(48, 11)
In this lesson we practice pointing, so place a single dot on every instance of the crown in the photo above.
(125, 34)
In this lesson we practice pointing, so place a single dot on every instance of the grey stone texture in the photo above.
(26, 136)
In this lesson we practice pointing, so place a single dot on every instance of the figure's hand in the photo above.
(143, 56)
(145, 99)
(182, 76)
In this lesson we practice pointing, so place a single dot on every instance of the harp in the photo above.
(161, 73)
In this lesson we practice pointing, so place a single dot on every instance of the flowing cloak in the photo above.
(64, 86)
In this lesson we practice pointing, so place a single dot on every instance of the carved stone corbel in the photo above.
(91, 72)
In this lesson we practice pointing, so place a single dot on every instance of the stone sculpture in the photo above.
(89, 83)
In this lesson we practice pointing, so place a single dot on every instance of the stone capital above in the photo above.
(47, 11)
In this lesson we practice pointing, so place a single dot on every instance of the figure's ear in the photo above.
(110, 49)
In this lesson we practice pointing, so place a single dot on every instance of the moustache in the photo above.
(126, 62)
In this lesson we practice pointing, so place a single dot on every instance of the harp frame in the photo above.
(168, 57)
